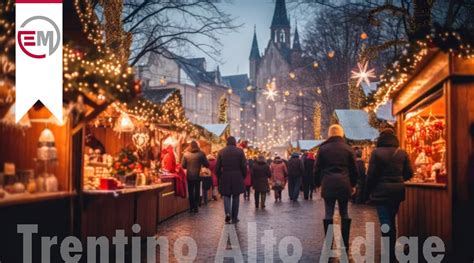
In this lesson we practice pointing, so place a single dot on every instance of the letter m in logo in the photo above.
(43, 40)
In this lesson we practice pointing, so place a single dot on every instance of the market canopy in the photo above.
(356, 125)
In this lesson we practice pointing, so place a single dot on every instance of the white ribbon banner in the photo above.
(39, 56)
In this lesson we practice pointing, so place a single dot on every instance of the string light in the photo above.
(397, 73)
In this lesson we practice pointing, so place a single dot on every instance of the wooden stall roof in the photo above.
(435, 67)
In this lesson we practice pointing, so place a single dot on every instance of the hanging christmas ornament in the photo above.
(364, 74)
(124, 123)
(141, 140)
(363, 36)
(46, 146)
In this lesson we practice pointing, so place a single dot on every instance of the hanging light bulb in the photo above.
(315, 64)
(331, 54)
(363, 35)
(124, 123)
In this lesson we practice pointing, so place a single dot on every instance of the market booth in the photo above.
(131, 172)
(434, 106)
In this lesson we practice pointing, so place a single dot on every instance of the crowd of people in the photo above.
(338, 170)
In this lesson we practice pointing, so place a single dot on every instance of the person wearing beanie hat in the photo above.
(231, 169)
(335, 130)
(336, 172)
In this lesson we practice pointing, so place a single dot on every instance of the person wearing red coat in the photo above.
(169, 159)
(215, 182)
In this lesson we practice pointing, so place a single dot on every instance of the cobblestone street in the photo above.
(302, 220)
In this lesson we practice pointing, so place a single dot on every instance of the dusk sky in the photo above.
(236, 45)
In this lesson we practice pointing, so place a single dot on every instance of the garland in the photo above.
(147, 112)
(396, 74)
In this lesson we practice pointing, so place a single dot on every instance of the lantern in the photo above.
(124, 123)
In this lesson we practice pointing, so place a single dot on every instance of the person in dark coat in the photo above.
(361, 193)
(260, 175)
(336, 171)
(295, 176)
(193, 160)
(308, 178)
(231, 170)
(389, 167)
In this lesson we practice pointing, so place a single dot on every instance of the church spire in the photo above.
(280, 17)
(254, 52)
(296, 39)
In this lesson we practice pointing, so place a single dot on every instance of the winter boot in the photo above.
(263, 197)
(345, 231)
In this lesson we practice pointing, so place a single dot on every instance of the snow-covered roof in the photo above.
(216, 129)
(294, 144)
(356, 125)
(384, 112)
(306, 145)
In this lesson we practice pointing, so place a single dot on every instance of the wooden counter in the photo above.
(169, 204)
(104, 212)
(27, 198)
(50, 212)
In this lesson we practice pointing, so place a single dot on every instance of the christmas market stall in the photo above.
(432, 89)
(131, 164)
(39, 175)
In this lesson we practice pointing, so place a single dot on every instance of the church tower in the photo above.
(296, 41)
(280, 28)
(254, 57)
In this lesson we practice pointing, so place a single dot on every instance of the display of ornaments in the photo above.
(46, 146)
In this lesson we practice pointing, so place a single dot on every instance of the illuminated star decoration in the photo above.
(364, 73)
(271, 93)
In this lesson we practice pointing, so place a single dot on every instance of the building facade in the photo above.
(202, 90)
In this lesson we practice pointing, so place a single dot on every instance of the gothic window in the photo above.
(282, 36)
(276, 36)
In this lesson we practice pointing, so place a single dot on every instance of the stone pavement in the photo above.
(302, 220)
